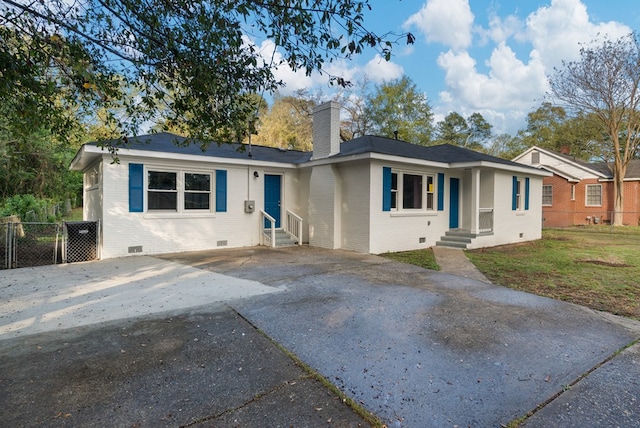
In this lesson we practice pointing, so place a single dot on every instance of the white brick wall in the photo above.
(355, 206)
(326, 130)
(397, 231)
(341, 206)
(176, 232)
(508, 225)
(324, 207)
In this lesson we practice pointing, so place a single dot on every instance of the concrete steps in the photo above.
(456, 238)
(284, 240)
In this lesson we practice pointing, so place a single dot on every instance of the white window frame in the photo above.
(550, 195)
(573, 192)
(397, 193)
(519, 195)
(586, 195)
(179, 190)
(207, 192)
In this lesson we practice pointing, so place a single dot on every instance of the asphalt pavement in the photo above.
(199, 339)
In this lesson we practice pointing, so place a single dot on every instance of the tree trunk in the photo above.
(618, 193)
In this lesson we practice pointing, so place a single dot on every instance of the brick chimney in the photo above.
(565, 150)
(326, 130)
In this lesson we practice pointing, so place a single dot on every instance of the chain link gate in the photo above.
(28, 244)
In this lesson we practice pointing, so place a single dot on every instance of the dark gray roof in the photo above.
(169, 143)
(445, 153)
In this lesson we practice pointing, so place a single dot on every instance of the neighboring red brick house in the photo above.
(580, 192)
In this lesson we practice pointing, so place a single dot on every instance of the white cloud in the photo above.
(556, 31)
(502, 29)
(512, 87)
(445, 21)
(379, 70)
(295, 80)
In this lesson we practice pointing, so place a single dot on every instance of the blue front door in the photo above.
(272, 198)
(454, 203)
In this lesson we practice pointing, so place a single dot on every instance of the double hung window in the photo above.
(594, 195)
(411, 191)
(197, 195)
(178, 191)
(547, 195)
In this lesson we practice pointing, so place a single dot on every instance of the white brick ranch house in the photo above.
(370, 194)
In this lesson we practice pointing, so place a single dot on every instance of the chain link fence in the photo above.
(28, 244)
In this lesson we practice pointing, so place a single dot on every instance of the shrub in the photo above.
(28, 208)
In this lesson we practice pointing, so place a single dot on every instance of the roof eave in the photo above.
(133, 153)
(526, 169)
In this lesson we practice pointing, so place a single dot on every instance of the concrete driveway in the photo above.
(417, 348)
(425, 349)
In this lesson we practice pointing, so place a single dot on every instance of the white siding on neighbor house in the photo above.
(511, 226)
(355, 206)
(557, 163)
(162, 232)
(400, 231)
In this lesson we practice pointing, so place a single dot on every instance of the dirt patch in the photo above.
(605, 263)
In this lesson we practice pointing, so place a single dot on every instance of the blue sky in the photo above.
(487, 56)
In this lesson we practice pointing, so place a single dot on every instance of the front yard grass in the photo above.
(597, 267)
(422, 258)
(593, 266)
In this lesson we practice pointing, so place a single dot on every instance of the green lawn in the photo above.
(597, 267)
(422, 258)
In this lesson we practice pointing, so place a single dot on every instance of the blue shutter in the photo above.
(526, 193)
(386, 188)
(136, 187)
(514, 194)
(221, 191)
(440, 191)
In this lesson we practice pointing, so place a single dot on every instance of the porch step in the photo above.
(456, 238)
(283, 239)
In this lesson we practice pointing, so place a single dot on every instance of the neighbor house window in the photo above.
(197, 191)
(162, 191)
(594, 195)
(573, 192)
(547, 195)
